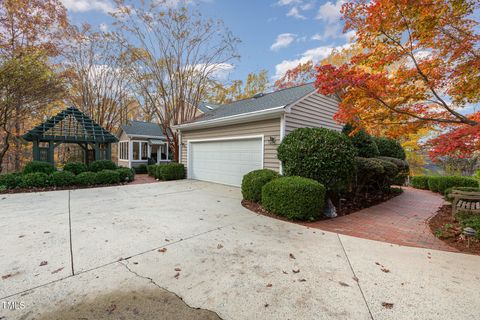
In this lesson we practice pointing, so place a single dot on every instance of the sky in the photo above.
(275, 35)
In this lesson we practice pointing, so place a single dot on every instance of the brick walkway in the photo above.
(143, 178)
(402, 220)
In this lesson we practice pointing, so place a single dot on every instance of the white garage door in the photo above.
(225, 161)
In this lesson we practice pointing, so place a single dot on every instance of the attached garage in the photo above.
(225, 160)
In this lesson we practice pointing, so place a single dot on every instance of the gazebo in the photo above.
(71, 126)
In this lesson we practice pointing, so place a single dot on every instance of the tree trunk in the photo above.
(18, 145)
(4, 149)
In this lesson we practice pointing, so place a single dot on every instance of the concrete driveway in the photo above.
(135, 252)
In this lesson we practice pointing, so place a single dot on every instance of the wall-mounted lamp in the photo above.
(272, 140)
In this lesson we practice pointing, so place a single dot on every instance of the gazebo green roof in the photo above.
(70, 126)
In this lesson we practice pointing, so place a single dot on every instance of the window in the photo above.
(123, 150)
(144, 150)
(136, 151)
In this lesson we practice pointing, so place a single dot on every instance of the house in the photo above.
(141, 142)
(228, 141)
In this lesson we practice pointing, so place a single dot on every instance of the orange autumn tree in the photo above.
(419, 68)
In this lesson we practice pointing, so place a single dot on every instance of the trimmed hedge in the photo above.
(108, 177)
(75, 167)
(324, 155)
(39, 166)
(126, 174)
(141, 169)
(171, 171)
(253, 182)
(35, 180)
(419, 182)
(363, 142)
(62, 178)
(152, 170)
(100, 165)
(11, 180)
(449, 190)
(403, 170)
(86, 179)
(390, 148)
(442, 183)
(295, 198)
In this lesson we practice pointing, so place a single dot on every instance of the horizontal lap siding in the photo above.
(268, 128)
(315, 111)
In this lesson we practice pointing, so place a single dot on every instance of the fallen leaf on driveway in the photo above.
(292, 256)
(269, 285)
(295, 271)
(355, 278)
(177, 275)
(46, 232)
(57, 271)
(178, 269)
(284, 272)
(10, 275)
(302, 280)
(266, 305)
(111, 308)
(343, 284)
(163, 250)
(387, 305)
(21, 236)
(385, 270)
(167, 240)
(219, 246)
(43, 263)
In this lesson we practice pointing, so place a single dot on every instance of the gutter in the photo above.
(239, 118)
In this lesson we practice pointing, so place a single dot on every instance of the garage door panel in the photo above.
(225, 161)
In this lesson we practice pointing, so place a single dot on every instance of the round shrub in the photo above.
(11, 180)
(390, 148)
(152, 169)
(419, 182)
(442, 183)
(253, 182)
(35, 180)
(62, 178)
(295, 198)
(391, 171)
(75, 167)
(171, 171)
(126, 174)
(99, 165)
(141, 169)
(39, 166)
(449, 190)
(403, 170)
(108, 177)
(86, 179)
(363, 142)
(321, 154)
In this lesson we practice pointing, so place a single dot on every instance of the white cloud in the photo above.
(317, 37)
(88, 5)
(330, 12)
(295, 13)
(283, 41)
(288, 2)
(315, 55)
(307, 6)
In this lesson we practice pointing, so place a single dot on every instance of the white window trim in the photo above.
(223, 139)
(128, 149)
(140, 142)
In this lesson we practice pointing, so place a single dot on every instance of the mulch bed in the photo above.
(447, 229)
(347, 206)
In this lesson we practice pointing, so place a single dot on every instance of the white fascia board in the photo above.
(240, 118)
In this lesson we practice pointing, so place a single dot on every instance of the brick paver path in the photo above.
(142, 179)
(402, 220)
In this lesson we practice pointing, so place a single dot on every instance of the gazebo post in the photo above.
(97, 151)
(35, 150)
(85, 153)
(51, 152)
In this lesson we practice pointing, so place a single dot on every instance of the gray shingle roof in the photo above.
(140, 128)
(279, 98)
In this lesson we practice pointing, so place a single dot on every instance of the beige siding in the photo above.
(314, 111)
(267, 128)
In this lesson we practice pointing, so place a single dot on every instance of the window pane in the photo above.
(144, 150)
(136, 151)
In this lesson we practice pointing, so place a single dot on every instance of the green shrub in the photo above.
(363, 142)
(39, 166)
(467, 219)
(75, 167)
(295, 198)
(320, 154)
(253, 182)
(11, 180)
(419, 182)
(403, 170)
(375, 174)
(100, 165)
(390, 148)
(171, 171)
(141, 169)
(62, 178)
(152, 169)
(126, 174)
(86, 179)
(442, 183)
(108, 177)
(449, 190)
(35, 180)
(477, 174)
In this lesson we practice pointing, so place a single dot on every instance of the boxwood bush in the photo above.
(171, 171)
(363, 142)
(39, 166)
(419, 182)
(442, 183)
(62, 178)
(86, 179)
(295, 198)
(253, 182)
(11, 180)
(100, 165)
(108, 177)
(75, 167)
(152, 169)
(449, 190)
(35, 180)
(403, 170)
(390, 148)
(324, 155)
(141, 169)
(126, 174)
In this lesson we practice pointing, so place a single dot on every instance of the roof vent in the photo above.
(208, 107)
(258, 95)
